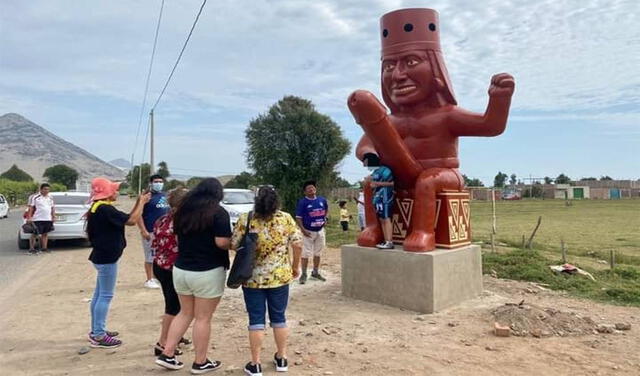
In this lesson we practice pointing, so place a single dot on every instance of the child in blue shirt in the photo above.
(382, 183)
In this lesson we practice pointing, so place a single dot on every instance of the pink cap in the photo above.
(102, 188)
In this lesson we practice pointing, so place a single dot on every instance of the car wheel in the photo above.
(23, 244)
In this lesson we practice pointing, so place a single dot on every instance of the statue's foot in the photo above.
(370, 236)
(420, 241)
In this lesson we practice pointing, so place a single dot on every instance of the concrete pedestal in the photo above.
(424, 282)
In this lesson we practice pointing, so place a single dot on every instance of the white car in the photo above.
(237, 202)
(4, 207)
(70, 210)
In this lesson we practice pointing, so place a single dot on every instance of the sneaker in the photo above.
(46, 250)
(158, 349)
(385, 245)
(33, 251)
(318, 276)
(169, 363)
(303, 278)
(152, 284)
(107, 332)
(253, 369)
(105, 342)
(208, 366)
(282, 365)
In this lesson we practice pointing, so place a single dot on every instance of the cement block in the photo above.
(424, 282)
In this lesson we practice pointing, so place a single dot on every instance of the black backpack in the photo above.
(244, 262)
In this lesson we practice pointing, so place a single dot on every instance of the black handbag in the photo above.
(243, 263)
(30, 228)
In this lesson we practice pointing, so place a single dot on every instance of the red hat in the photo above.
(102, 188)
(410, 29)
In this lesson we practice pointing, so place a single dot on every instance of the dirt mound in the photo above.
(530, 320)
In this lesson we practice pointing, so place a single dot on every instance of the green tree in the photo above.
(137, 182)
(605, 177)
(173, 184)
(499, 180)
(513, 179)
(192, 182)
(244, 180)
(340, 182)
(475, 182)
(16, 174)
(548, 180)
(163, 170)
(291, 143)
(563, 179)
(62, 174)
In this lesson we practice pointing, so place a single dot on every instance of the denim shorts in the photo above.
(259, 300)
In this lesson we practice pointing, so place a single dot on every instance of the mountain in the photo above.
(121, 163)
(34, 149)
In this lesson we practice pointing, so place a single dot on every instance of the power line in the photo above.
(180, 55)
(146, 89)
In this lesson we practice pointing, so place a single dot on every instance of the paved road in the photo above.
(14, 261)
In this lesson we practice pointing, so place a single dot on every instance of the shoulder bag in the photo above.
(244, 262)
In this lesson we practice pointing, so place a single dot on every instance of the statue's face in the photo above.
(407, 78)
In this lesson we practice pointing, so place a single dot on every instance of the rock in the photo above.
(309, 335)
(494, 274)
(364, 350)
(453, 324)
(302, 323)
(318, 323)
(83, 350)
(420, 318)
(536, 332)
(490, 348)
(326, 331)
(501, 331)
(605, 328)
(623, 326)
(298, 352)
(298, 362)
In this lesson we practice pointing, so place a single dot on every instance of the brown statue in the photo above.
(418, 140)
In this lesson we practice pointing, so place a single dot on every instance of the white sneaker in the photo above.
(385, 245)
(152, 284)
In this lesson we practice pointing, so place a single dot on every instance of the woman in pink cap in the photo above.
(105, 228)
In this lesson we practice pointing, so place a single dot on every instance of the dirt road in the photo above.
(45, 319)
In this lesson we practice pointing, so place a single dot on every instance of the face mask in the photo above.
(372, 168)
(157, 187)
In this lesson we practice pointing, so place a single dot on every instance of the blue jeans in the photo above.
(105, 287)
(257, 301)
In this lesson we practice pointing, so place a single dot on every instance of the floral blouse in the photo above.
(164, 243)
(273, 264)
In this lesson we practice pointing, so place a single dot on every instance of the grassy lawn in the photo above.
(590, 229)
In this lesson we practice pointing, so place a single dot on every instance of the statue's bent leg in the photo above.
(422, 237)
(372, 233)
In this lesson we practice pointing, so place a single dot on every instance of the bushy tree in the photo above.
(291, 143)
(62, 174)
(193, 181)
(16, 174)
(137, 182)
(563, 179)
(513, 179)
(163, 170)
(475, 182)
(499, 180)
(244, 180)
(173, 184)
(605, 177)
(548, 180)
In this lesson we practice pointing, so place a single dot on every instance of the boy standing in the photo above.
(311, 216)
(382, 183)
(154, 209)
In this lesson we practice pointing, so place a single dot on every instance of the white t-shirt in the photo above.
(43, 205)
(361, 206)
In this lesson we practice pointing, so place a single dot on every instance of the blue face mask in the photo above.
(157, 187)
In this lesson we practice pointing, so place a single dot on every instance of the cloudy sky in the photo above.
(78, 68)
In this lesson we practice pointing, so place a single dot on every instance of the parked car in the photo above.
(237, 202)
(70, 211)
(511, 195)
(4, 207)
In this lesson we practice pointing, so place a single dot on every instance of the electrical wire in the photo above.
(180, 55)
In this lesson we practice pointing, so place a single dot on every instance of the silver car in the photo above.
(237, 202)
(4, 207)
(70, 210)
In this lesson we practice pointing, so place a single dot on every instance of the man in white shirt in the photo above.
(42, 213)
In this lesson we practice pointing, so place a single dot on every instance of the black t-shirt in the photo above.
(198, 251)
(106, 233)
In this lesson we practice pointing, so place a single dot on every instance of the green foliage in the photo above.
(340, 182)
(563, 179)
(16, 174)
(291, 143)
(606, 177)
(62, 174)
(136, 181)
(163, 170)
(475, 182)
(17, 192)
(548, 180)
(499, 180)
(173, 184)
(245, 180)
(513, 179)
(533, 191)
(192, 182)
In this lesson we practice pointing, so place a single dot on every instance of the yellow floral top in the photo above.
(273, 264)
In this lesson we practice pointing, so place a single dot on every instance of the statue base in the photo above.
(423, 282)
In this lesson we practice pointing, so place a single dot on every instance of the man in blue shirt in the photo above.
(154, 209)
(311, 216)
(382, 183)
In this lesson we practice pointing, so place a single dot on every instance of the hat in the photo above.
(409, 29)
(102, 188)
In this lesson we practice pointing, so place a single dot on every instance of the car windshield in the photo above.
(238, 198)
(1, 199)
(70, 200)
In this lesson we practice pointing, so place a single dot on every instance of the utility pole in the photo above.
(153, 166)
